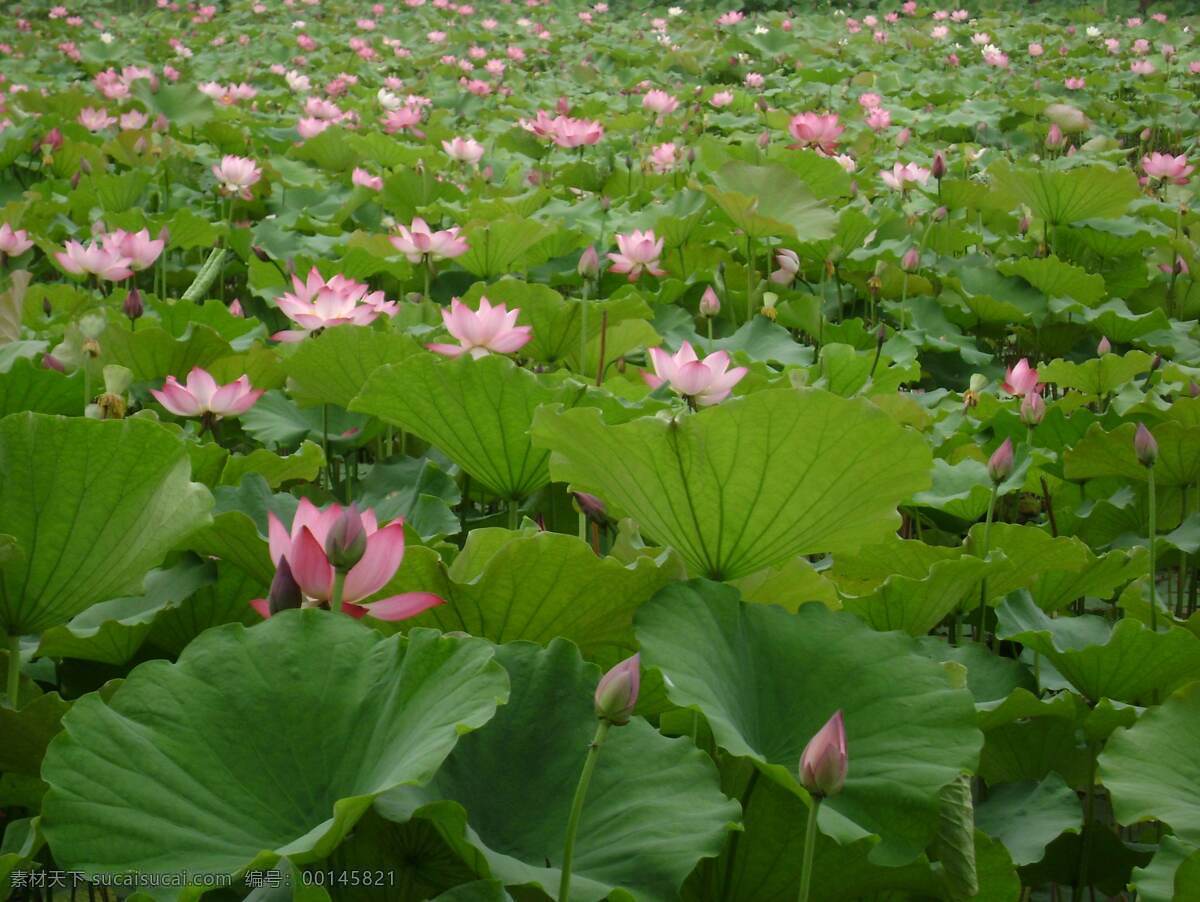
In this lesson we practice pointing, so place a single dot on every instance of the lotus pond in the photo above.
(536, 450)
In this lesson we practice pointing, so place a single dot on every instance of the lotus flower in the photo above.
(236, 175)
(418, 242)
(481, 332)
(95, 119)
(638, 251)
(1020, 379)
(95, 259)
(905, 175)
(303, 547)
(660, 102)
(202, 396)
(316, 304)
(568, 132)
(464, 150)
(1166, 167)
(617, 692)
(824, 763)
(14, 242)
(789, 265)
(663, 157)
(816, 130)
(364, 179)
(139, 247)
(703, 382)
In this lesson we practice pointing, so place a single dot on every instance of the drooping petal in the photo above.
(385, 551)
(402, 607)
(310, 567)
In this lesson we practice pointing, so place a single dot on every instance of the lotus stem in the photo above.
(513, 514)
(339, 583)
(1153, 549)
(585, 777)
(583, 318)
(14, 669)
(987, 536)
(810, 846)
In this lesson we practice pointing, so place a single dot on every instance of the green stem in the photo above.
(14, 669)
(325, 445)
(585, 777)
(1153, 549)
(339, 583)
(810, 845)
(513, 514)
(987, 536)
(583, 333)
(428, 279)
(749, 278)
(710, 333)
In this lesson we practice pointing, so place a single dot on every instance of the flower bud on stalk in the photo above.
(824, 762)
(1000, 464)
(938, 169)
(1145, 446)
(1033, 409)
(589, 263)
(1104, 347)
(617, 692)
(710, 304)
(911, 260)
(285, 591)
(133, 307)
(347, 540)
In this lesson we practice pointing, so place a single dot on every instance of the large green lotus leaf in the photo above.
(916, 606)
(415, 489)
(654, 807)
(1126, 662)
(750, 482)
(303, 464)
(1056, 278)
(536, 588)
(1027, 817)
(771, 200)
(909, 733)
(477, 412)
(496, 246)
(1098, 376)
(789, 585)
(93, 504)
(1101, 453)
(333, 367)
(1062, 197)
(28, 386)
(152, 353)
(258, 743)
(1173, 873)
(213, 604)
(1118, 323)
(867, 568)
(1151, 769)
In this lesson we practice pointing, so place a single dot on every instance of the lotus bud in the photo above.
(591, 507)
(938, 169)
(1145, 446)
(940, 214)
(1033, 409)
(235, 309)
(605, 203)
(1145, 135)
(764, 139)
(1054, 137)
(347, 540)
(1194, 389)
(285, 591)
(824, 762)
(902, 137)
(911, 260)
(75, 180)
(1105, 347)
(710, 304)
(1023, 225)
(85, 167)
(617, 692)
(589, 263)
(1156, 363)
(133, 306)
(691, 156)
(47, 309)
(1000, 464)
(260, 253)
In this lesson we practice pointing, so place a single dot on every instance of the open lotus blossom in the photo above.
(364, 179)
(904, 175)
(816, 130)
(464, 150)
(1166, 167)
(1020, 379)
(638, 251)
(202, 396)
(569, 132)
(14, 242)
(236, 175)
(484, 331)
(664, 157)
(420, 243)
(304, 548)
(139, 247)
(721, 99)
(96, 259)
(789, 264)
(95, 120)
(660, 102)
(316, 304)
(703, 382)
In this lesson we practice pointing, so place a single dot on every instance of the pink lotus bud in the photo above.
(903, 136)
(133, 306)
(1023, 225)
(563, 107)
(911, 260)
(589, 263)
(1145, 446)
(347, 540)
(1033, 409)
(235, 309)
(710, 304)
(617, 692)
(824, 762)
(1105, 347)
(938, 169)
(1000, 464)
(1054, 137)
(285, 591)
(53, 139)
(1145, 136)
(940, 214)
(591, 507)
(764, 139)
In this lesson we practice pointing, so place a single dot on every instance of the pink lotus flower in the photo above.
(304, 549)
(1164, 166)
(721, 99)
(663, 157)
(568, 132)
(364, 179)
(660, 102)
(1036, 50)
(202, 396)
(317, 304)
(13, 242)
(418, 242)
(309, 127)
(1142, 67)
(236, 175)
(816, 130)
(484, 331)
(407, 117)
(824, 763)
(904, 175)
(878, 119)
(1020, 379)
(94, 259)
(95, 120)
(638, 251)
(704, 382)
(789, 264)
(463, 150)
(139, 247)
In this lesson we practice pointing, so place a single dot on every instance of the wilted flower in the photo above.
(703, 382)
(481, 332)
